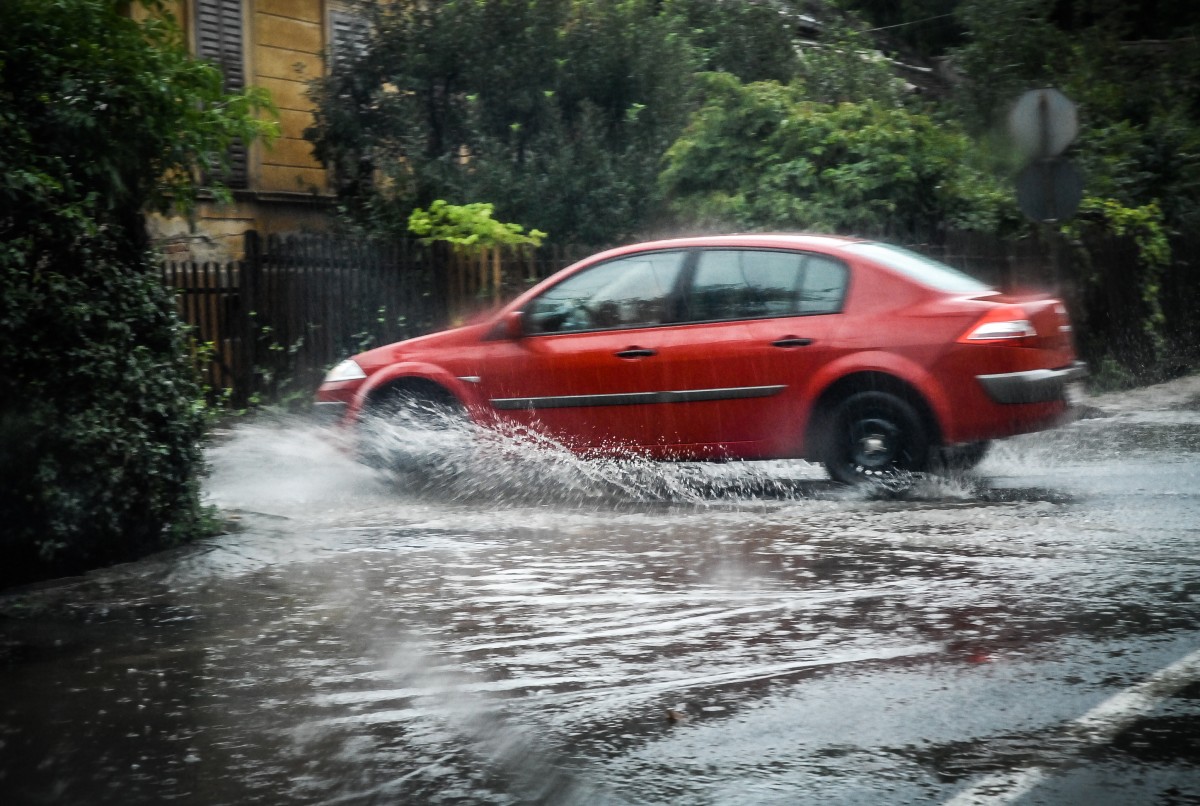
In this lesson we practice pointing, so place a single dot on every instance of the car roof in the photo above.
(761, 240)
(785, 240)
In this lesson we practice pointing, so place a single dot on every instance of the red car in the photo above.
(863, 356)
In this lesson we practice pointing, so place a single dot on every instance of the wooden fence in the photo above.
(271, 324)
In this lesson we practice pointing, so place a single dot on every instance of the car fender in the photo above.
(405, 370)
(886, 363)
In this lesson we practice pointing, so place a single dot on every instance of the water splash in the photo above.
(448, 456)
(281, 466)
(293, 468)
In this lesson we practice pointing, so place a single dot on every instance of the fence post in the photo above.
(250, 272)
(442, 266)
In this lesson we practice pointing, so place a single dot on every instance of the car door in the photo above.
(756, 324)
(588, 369)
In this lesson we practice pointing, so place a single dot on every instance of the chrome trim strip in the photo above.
(635, 398)
(1031, 386)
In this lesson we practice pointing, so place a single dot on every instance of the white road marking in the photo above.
(1098, 726)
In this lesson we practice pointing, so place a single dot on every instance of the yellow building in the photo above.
(279, 45)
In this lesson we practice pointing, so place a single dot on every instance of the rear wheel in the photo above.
(874, 435)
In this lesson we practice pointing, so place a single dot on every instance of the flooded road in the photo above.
(523, 627)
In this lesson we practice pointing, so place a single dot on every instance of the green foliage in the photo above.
(102, 117)
(1146, 226)
(1011, 46)
(559, 114)
(1108, 375)
(100, 430)
(846, 67)
(469, 228)
(763, 156)
(751, 40)
(1134, 74)
(1144, 223)
(1140, 147)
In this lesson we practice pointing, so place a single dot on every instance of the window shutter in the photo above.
(219, 39)
(350, 36)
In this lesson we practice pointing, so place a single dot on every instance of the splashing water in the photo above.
(287, 466)
(513, 464)
(283, 465)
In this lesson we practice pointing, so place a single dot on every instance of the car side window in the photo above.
(751, 284)
(824, 285)
(627, 292)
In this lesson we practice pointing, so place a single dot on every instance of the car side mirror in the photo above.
(514, 325)
(511, 327)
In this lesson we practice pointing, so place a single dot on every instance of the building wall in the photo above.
(289, 37)
(287, 188)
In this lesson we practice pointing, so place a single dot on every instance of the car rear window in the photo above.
(924, 270)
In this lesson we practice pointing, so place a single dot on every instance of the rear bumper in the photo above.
(1031, 386)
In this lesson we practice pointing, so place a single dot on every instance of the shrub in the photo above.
(100, 430)
(104, 116)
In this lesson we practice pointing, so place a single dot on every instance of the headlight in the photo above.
(348, 370)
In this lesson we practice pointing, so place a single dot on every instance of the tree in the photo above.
(102, 117)
(764, 156)
(558, 117)
(845, 66)
(752, 39)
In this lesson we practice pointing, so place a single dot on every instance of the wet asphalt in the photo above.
(519, 626)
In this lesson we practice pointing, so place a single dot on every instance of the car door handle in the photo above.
(635, 352)
(792, 341)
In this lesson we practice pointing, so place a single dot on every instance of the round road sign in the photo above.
(1043, 123)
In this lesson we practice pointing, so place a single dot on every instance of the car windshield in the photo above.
(924, 270)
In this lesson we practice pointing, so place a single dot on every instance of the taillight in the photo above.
(1008, 324)
(1064, 321)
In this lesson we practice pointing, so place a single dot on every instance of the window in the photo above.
(750, 284)
(924, 270)
(627, 292)
(219, 40)
(823, 287)
(349, 40)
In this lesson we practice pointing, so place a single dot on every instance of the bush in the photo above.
(100, 432)
(764, 156)
(104, 116)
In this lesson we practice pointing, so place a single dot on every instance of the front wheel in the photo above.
(413, 431)
(874, 435)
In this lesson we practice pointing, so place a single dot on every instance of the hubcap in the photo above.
(875, 444)
(872, 445)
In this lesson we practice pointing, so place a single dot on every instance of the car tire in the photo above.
(874, 436)
(420, 407)
(404, 429)
(960, 458)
